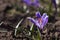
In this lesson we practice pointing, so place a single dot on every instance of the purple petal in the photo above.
(44, 15)
(38, 15)
(35, 3)
(45, 21)
(38, 5)
(41, 26)
(28, 2)
(32, 3)
(37, 24)
(32, 20)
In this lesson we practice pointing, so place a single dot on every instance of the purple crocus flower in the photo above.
(40, 21)
(54, 3)
(32, 3)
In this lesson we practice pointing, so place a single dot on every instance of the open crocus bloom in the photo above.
(40, 21)
(32, 2)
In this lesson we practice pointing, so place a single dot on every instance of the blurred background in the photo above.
(12, 11)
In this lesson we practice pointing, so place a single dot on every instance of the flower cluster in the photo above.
(40, 21)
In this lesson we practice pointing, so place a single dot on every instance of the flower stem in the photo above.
(39, 34)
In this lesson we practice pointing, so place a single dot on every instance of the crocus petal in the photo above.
(45, 20)
(35, 3)
(38, 15)
(38, 5)
(37, 24)
(44, 15)
(41, 26)
(32, 20)
(28, 2)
